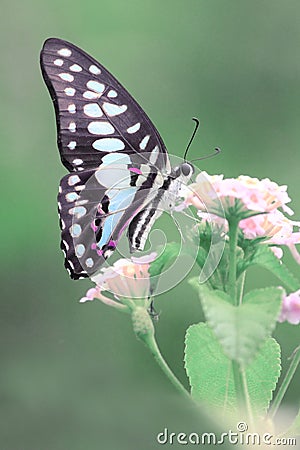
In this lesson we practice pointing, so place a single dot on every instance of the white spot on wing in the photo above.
(94, 70)
(58, 62)
(66, 76)
(71, 196)
(107, 253)
(115, 158)
(71, 145)
(73, 179)
(69, 91)
(116, 177)
(144, 142)
(145, 169)
(90, 95)
(92, 110)
(72, 108)
(75, 230)
(81, 202)
(79, 250)
(72, 127)
(95, 86)
(76, 68)
(134, 128)
(64, 52)
(89, 262)
(79, 188)
(154, 155)
(108, 144)
(100, 128)
(77, 161)
(78, 211)
(66, 245)
(112, 93)
(113, 110)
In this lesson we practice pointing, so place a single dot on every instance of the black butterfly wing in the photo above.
(95, 114)
(95, 207)
(98, 123)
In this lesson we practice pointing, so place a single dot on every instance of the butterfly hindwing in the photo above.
(95, 206)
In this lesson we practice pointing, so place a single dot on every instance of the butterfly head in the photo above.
(187, 169)
(184, 171)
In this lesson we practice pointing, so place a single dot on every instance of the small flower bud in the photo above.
(142, 323)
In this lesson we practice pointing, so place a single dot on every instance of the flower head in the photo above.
(255, 202)
(127, 280)
(243, 195)
(290, 311)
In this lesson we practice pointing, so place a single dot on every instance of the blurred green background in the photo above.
(74, 376)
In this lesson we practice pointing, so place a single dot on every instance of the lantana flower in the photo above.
(255, 202)
(243, 193)
(290, 311)
(127, 281)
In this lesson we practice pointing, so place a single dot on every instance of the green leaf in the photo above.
(211, 377)
(170, 252)
(262, 256)
(262, 375)
(242, 329)
(201, 257)
(219, 277)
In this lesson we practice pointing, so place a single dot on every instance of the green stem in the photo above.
(233, 238)
(286, 382)
(151, 343)
(144, 330)
(242, 393)
(235, 291)
(247, 399)
(239, 386)
(240, 287)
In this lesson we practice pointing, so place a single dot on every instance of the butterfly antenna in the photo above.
(215, 153)
(192, 137)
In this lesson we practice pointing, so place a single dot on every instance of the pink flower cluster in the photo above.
(215, 196)
(290, 311)
(253, 194)
(127, 280)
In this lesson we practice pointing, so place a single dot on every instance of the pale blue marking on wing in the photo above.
(118, 158)
(113, 176)
(108, 144)
(118, 200)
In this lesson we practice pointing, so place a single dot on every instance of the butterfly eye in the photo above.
(186, 169)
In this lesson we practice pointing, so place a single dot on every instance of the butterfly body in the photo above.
(120, 176)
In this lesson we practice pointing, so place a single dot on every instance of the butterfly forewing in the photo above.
(95, 115)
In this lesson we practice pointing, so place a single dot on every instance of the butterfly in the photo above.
(120, 176)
